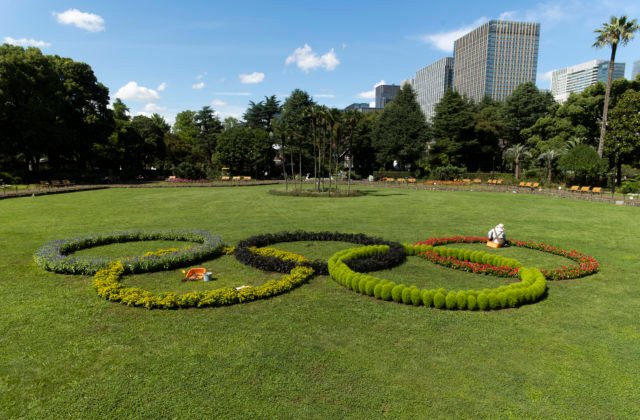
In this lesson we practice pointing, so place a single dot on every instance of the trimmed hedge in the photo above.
(245, 254)
(57, 256)
(530, 289)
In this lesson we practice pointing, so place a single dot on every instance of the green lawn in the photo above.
(320, 351)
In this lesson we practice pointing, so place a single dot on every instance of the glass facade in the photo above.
(386, 94)
(431, 83)
(577, 78)
(495, 58)
(636, 70)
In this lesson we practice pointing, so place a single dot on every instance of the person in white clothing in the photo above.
(497, 235)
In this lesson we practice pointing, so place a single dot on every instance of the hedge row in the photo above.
(478, 262)
(245, 251)
(530, 289)
(57, 255)
(107, 284)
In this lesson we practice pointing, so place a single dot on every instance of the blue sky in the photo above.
(169, 56)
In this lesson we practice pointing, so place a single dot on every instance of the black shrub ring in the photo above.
(57, 256)
(244, 253)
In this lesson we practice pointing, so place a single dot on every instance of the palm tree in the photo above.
(517, 153)
(617, 31)
(548, 157)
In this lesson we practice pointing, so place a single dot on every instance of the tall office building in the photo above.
(636, 70)
(495, 58)
(385, 94)
(431, 83)
(577, 78)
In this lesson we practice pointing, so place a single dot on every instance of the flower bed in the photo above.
(530, 289)
(245, 255)
(587, 265)
(58, 255)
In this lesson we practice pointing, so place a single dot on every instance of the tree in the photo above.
(295, 124)
(488, 129)
(244, 149)
(616, 31)
(583, 162)
(517, 154)
(452, 131)
(548, 158)
(623, 137)
(263, 113)
(523, 108)
(401, 132)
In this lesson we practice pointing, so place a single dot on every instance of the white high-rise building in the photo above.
(431, 83)
(636, 70)
(577, 78)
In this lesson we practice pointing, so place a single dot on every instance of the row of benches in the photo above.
(56, 183)
(235, 178)
(465, 181)
(585, 189)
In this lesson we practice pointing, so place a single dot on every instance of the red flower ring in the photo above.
(587, 265)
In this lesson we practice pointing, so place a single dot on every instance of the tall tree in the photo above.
(523, 108)
(618, 31)
(623, 137)
(244, 149)
(295, 124)
(517, 154)
(401, 132)
(452, 131)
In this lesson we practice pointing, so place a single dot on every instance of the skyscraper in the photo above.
(495, 58)
(577, 78)
(636, 70)
(431, 83)
(385, 94)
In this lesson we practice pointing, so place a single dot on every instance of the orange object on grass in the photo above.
(195, 274)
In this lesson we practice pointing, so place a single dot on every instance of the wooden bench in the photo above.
(477, 181)
(411, 180)
(499, 181)
(246, 178)
(585, 189)
(225, 178)
(528, 184)
(596, 190)
(237, 178)
(535, 185)
(574, 188)
(521, 184)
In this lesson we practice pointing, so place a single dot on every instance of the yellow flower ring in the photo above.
(107, 284)
(586, 266)
(530, 289)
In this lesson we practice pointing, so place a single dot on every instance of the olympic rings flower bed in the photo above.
(587, 265)
(58, 256)
(530, 289)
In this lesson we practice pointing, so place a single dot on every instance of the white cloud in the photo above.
(307, 60)
(87, 21)
(233, 93)
(134, 92)
(26, 42)
(444, 40)
(218, 102)
(199, 85)
(372, 104)
(161, 87)
(201, 75)
(324, 95)
(154, 108)
(370, 94)
(252, 78)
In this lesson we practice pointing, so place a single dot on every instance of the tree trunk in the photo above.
(607, 95)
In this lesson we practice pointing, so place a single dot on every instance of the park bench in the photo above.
(596, 190)
(535, 185)
(574, 188)
(246, 178)
(67, 183)
(225, 178)
(585, 189)
(521, 184)
(237, 178)
(411, 180)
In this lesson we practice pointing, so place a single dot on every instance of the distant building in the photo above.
(575, 79)
(431, 83)
(386, 94)
(495, 58)
(636, 70)
(362, 107)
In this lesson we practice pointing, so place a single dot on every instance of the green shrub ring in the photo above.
(57, 256)
(107, 284)
(530, 289)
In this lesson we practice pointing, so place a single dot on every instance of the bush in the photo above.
(370, 287)
(450, 300)
(385, 294)
(461, 300)
(483, 302)
(630, 187)
(447, 173)
(406, 296)
(439, 300)
(427, 298)
(396, 292)
(472, 303)
(416, 297)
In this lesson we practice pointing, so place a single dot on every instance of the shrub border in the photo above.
(587, 264)
(57, 256)
(530, 289)
(245, 255)
(107, 284)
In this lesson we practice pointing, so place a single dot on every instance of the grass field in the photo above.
(320, 351)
